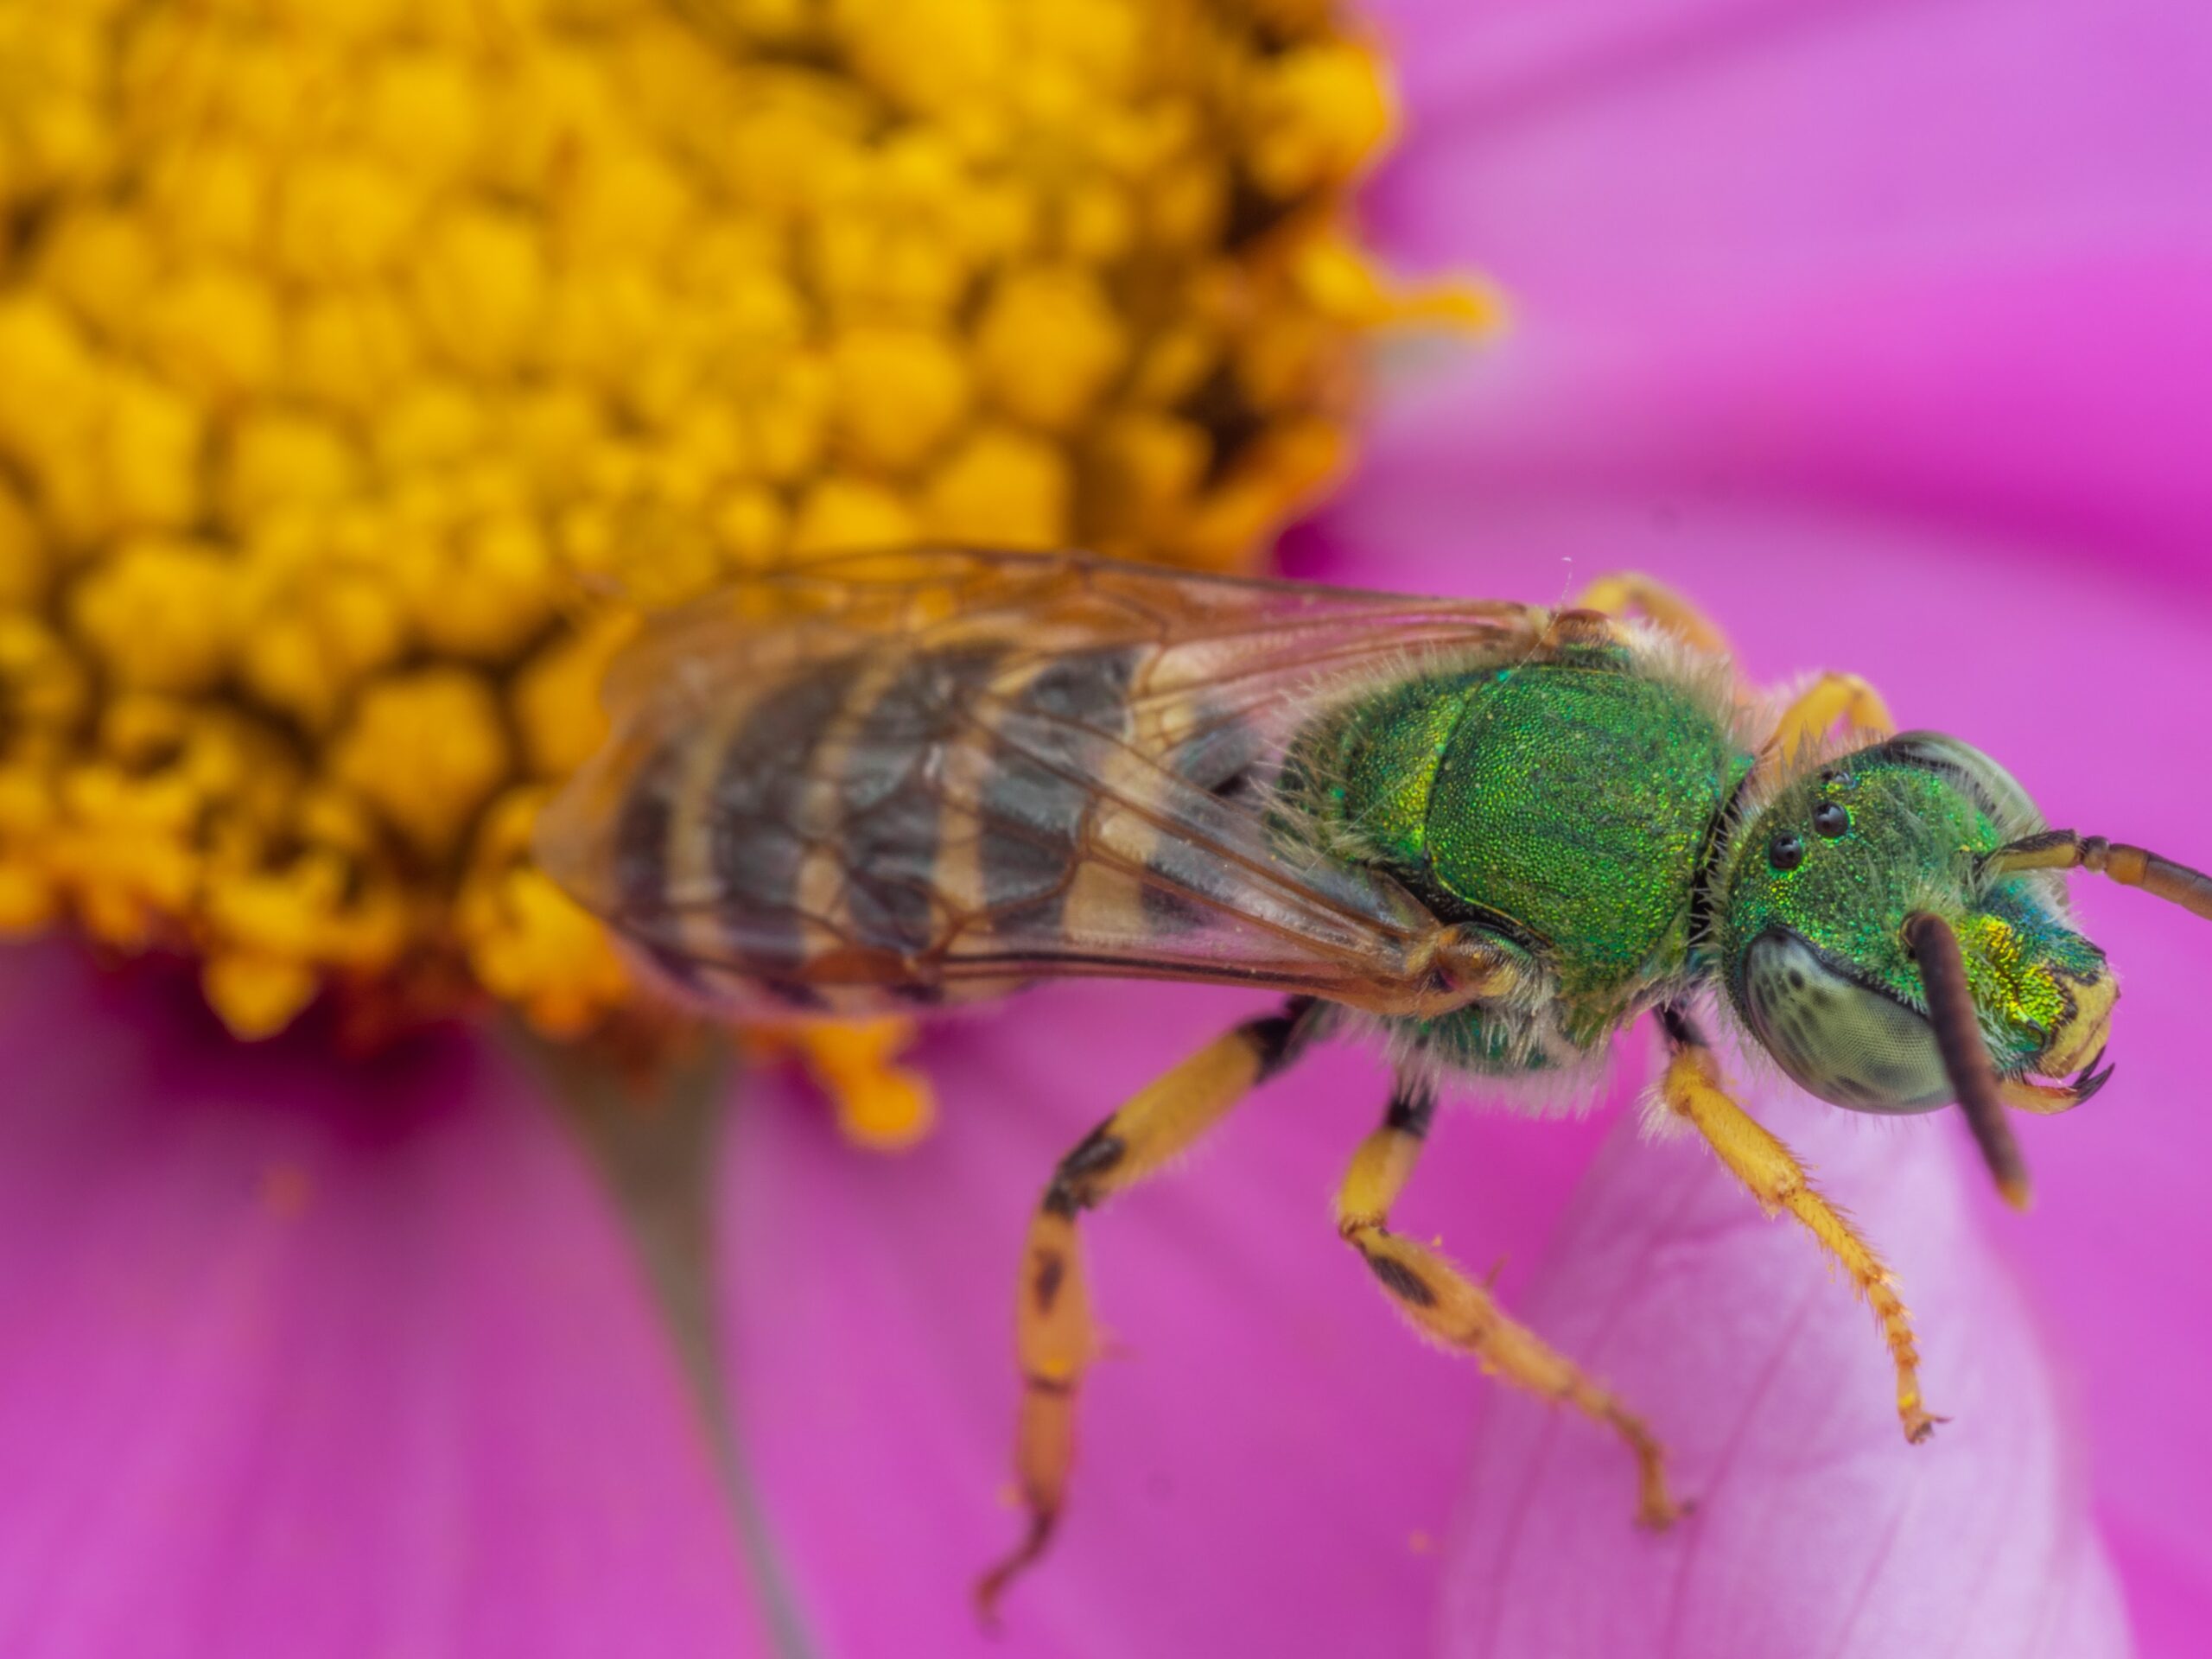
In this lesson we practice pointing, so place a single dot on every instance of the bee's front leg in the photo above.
(1446, 1305)
(1692, 1090)
(1054, 1334)
(1624, 591)
(1831, 697)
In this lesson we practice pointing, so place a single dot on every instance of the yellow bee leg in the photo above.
(1054, 1334)
(1625, 591)
(1693, 1090)
(1448, 1307)
(1832, 697)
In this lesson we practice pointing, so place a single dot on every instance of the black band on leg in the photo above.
(1280, 1039)
(1412, 1108)
(1681, 1031)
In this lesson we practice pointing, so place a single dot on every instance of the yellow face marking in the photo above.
(2023, 986)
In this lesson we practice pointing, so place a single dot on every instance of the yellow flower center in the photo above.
(363, 364)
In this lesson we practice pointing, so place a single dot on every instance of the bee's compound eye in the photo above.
(1785, 852)
(1830, 820)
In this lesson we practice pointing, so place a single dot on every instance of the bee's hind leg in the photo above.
(1054, 1334)
(1692, 1090)
(1625, 591)
(1446, 1305)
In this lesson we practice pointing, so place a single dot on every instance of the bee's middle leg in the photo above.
(1055, 1336)
(1692, 1091)
(1448, 1305)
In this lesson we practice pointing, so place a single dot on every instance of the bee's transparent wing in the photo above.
(939, 773)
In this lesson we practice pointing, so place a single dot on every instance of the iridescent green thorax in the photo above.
(1565, 805)
(1387, 753)
(1841, 856)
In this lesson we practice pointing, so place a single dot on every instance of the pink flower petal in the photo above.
(1818, 1530)
(1951, 259)
(1604, 156)
(1269, 1463)
(310, 1359)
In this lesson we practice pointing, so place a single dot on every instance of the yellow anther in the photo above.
(479, 286)
(1003, 488)
(422, 114)
(1151, 464)
(310, 638)
(214, 331)
(280, 459)
(557, 699)
(1318, 111)
(28, 899)
(353, 350)
(145, 470)
(843, 515)
(880, 1104)
(44, 685)
(751, 527)
(159, 615)
(427, 749)
(211, 197)
(1049, 343)
(432, 425)
(104, 264)
(486, 590)
(257, 997)
(532, 946)
(52, 396)
(898, 392)
(1342, 283)
(626, 205)
(343, 218)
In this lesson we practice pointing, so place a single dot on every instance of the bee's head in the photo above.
(1820, 885)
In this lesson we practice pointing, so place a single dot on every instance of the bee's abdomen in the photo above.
(833, 844)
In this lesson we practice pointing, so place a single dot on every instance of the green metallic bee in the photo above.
(1486, 835)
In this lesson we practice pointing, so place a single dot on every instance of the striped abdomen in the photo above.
(845, 834)
(929, 775)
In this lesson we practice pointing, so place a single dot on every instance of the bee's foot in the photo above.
(1919, 1422)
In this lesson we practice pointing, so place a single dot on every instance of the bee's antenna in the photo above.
(2132, 867)
(1965, 1058)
